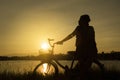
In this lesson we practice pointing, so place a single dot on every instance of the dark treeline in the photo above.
(102, 56)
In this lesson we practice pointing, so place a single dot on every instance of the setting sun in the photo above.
(44, 46)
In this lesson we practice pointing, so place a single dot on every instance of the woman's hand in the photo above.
(59, 42)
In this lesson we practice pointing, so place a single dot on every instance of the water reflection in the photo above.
(21, 66)
(45, 68)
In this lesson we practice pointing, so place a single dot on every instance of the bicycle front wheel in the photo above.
(46, 68)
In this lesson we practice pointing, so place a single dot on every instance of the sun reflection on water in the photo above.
(45, 68)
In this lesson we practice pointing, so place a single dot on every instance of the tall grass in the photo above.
(93, 75)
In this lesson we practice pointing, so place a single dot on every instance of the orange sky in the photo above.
(26, 24)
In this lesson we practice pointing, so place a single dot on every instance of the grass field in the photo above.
(93, 75)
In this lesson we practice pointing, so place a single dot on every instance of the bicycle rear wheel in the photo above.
(46, 68)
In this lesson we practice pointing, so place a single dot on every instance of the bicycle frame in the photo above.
(52, 52)
(52, 62)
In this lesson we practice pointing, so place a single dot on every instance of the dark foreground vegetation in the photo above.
(93, 75)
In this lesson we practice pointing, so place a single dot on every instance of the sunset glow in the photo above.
(44, 46)
(25, 24)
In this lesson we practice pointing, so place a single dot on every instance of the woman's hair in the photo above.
(84, 19)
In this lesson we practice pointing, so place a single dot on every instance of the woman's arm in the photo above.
(66, 38)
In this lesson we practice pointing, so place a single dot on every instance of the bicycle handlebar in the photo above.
(52, 45)
(49, 40)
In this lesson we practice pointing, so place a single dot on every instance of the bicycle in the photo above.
(50, 65)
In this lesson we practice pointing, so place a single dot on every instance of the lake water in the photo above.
(21, 66)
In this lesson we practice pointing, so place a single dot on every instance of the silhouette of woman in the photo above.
(86, 49)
